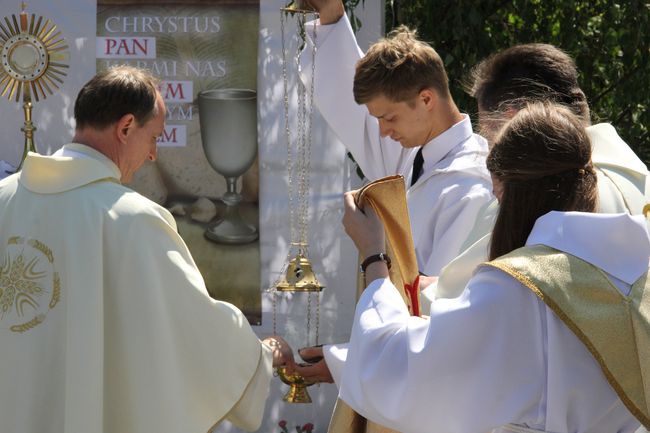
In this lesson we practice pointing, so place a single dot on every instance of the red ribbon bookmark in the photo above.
(413, 292)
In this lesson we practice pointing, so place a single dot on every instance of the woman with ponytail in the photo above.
(541, 162)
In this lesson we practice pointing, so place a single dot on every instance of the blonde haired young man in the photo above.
(393, 110)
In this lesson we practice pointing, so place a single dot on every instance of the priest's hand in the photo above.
(330, 11)
(282, 352)
(316, 369)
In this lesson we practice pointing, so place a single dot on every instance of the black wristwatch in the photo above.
(381, 257)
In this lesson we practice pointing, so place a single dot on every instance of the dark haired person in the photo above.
(105, 321)
(550, 336)
(509, 79)
(502, 84)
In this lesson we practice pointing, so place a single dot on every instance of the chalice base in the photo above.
(297, 394)
(297, 386)
(231, 230)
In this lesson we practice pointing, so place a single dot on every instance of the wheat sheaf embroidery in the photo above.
(29, 284)
(19, 285)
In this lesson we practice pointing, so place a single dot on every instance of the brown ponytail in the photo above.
(542, 158)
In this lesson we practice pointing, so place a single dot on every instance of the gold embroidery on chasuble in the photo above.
(614, 327)
(29, 284)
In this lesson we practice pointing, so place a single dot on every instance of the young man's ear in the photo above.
(429, 98)
(124, 126)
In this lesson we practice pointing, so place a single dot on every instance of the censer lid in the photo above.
(299, 277)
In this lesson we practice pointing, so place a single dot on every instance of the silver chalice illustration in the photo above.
(228, 120)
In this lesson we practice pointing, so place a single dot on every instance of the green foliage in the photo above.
(350, 6)
(610, 42)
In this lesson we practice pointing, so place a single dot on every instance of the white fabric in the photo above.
(515, 428)
(134, 343)
(560, 229)
(455, 275)
(454, 186)
(609, 149)
(68, 152)
(622, 176)
(335, 355)
(247, 413)
(618, 169)
(492, 356)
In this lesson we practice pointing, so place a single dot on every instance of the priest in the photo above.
(105, 321)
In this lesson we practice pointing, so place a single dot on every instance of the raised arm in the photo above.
(329, 11)
(336, 56)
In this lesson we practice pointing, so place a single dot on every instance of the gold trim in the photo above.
(28, 325)
(56, 290)
(526, 281)
(40, 246)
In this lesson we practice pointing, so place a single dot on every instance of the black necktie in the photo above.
(418, 163)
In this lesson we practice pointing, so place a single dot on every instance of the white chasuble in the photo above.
(105, 322)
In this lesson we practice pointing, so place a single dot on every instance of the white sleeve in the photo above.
(455, 276)
(247, 413)
(461, 206)
(179, 356)
(335, 356)
(336, 56)
(476, 364)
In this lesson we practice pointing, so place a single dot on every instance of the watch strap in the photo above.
(381, 257)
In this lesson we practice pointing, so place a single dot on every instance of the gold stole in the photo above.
(387, 196)
(614, 327)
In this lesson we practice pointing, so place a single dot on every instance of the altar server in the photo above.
(393, 110)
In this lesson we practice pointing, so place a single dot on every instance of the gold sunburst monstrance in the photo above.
(34, 62)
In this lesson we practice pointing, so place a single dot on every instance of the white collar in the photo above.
(436, 149)
(618, 244)
(72, 152)
(74, 166)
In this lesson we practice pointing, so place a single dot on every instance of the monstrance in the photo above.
(297, 274)
(33, 62)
